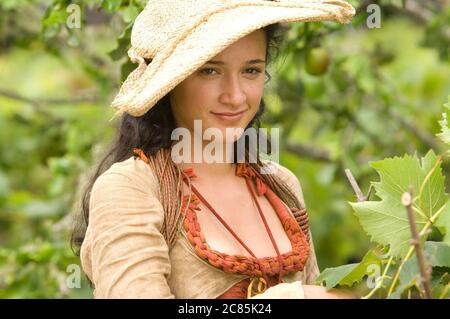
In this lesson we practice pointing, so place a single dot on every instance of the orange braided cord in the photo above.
(293, 260)
(139, 152)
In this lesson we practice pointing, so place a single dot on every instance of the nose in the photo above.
(233, 93)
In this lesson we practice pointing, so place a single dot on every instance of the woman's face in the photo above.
(226, 91)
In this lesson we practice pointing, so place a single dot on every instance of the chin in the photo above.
(235, 133)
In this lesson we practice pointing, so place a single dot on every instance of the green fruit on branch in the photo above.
(317, 61)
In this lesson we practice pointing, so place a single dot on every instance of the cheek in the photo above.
(185, 114)
(251, 115)
(186, 102)
(255, 101)
(176, 108)
(255, 92)
(197, 98)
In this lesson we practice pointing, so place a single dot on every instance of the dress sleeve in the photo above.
(291, 290)
(311, 270)
(126, 254)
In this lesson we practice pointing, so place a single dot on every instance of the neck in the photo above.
(203, 164)
(210, 169)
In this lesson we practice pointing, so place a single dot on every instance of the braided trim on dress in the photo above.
(293, 260)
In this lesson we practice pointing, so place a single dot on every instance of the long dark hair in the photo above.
(152, 131)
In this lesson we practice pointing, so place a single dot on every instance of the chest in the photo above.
(233, 202)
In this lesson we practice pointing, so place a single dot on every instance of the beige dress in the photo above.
(125, 255)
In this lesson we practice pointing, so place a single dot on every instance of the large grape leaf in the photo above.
(348, 274)
(386, 221)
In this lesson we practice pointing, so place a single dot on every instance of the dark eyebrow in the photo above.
(256, 61)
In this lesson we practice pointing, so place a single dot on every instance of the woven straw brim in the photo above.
(146, 85)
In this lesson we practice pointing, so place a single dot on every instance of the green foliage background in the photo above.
(381, 96)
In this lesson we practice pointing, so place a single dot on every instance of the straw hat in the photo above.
(179, 36)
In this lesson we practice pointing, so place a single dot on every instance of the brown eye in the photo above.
(207, 71)
(256, 71)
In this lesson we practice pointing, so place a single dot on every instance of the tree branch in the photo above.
(423, 267)
(355, 186)
(310, 152)
(359, 194)
(41, 102)
(422, 135)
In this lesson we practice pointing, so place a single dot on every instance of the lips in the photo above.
(228, 113)
(229, 116)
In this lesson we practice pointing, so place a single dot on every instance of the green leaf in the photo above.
(332, 276)
(130, 13)
(126, 68)
(445, 130)
(112, 5)
(443, 223)
(123, 43)
(438, 253)
(409, 277)
(348, 274)
(396, 3)
(386, 221)
(43, 209)
(4, 185)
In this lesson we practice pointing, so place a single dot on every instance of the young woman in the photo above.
(155, 226)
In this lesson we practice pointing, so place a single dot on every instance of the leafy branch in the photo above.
(394, 223)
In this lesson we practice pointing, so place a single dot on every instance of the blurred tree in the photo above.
(343, 96)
